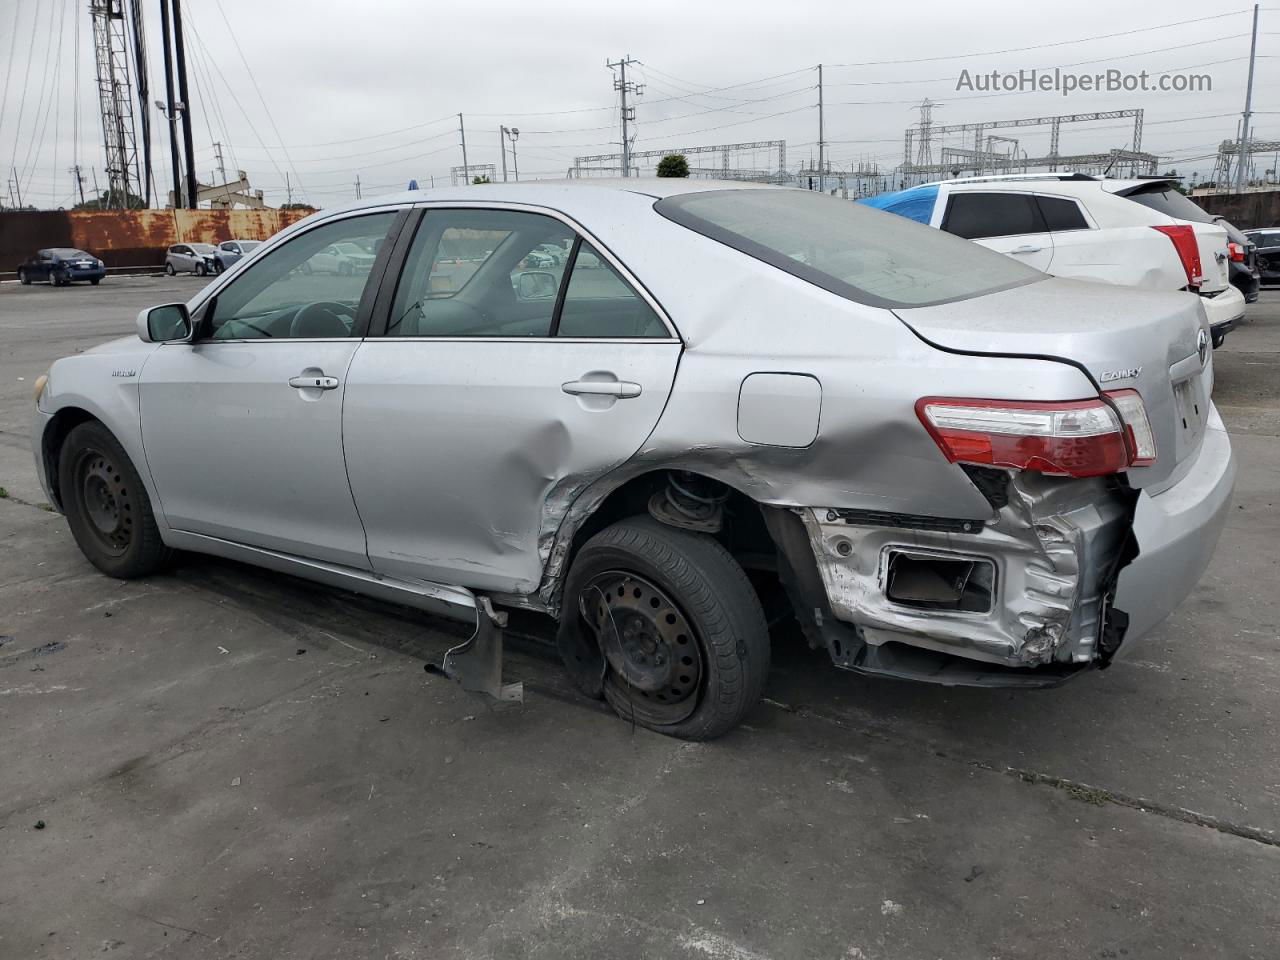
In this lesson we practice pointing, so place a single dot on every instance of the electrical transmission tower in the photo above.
(924, 153)
(624, 87)
(115, 99)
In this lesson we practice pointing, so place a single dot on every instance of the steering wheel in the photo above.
(322, 318)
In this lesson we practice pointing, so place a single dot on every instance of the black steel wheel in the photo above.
(664, 624)
(106, 504)
(655, 664)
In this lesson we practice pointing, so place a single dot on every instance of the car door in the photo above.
(41, 265)
(1079, 249)
(242, 426)
(492, 397)
(1008, 222)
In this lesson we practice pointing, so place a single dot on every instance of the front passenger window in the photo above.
(301, 290)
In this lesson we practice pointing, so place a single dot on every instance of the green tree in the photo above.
(479, 180)
(673, 165)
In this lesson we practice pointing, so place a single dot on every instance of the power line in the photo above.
(1042, 46)
(258, 90)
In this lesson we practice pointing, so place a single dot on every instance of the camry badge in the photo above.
(1108, 376)
(1202, 346)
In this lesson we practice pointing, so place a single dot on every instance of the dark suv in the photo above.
(1267, 241)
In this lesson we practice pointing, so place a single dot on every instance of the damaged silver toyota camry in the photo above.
(643, 406)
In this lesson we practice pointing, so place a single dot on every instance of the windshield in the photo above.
(246, 246)
(867, 256)
(1162, 198)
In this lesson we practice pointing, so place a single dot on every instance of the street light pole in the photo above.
(502, 144)
(514, 134)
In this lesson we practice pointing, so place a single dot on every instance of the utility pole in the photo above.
(75, 172)
(358, 186)
(462, 132)
(628, 114)
(222, 167)
(180, 62)
(97, 195)
(288, 189)
(1243, 159)
(502, 145)
(170, 110)
(822, 141)
(513, 135)
(17, 188)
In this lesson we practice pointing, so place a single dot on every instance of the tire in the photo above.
(168, 269)
(58, 280)
(200, 270)
(682, 578)
(106, 505)
(95, 281)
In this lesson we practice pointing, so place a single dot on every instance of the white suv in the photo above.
(1137, 233)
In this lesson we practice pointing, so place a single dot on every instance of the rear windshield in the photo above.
(867, 256)
(68, 253)
(1162, 198)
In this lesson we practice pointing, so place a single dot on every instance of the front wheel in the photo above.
(666, 626)
(200, 270)
(107, 506)
(23, 278)
(168, 270)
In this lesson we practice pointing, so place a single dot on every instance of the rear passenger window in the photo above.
(978, 215)
(481, 273)
(1061, 214)
(600, 303)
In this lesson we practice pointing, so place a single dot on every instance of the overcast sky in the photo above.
(370, 89)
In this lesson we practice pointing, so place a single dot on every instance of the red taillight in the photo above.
(1235, 251)
(1076, 438)
(1184, 241)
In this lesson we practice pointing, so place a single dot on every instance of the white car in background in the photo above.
(343, 259)
(1135, 233)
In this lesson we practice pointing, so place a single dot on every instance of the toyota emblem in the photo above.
(1202, 347)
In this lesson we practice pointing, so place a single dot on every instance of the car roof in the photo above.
(1076, 185)
(560, 194)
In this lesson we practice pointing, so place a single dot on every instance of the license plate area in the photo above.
(1191, 407)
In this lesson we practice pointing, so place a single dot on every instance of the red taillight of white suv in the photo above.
(1076, 438)
(1235, 251)
(1184, 241)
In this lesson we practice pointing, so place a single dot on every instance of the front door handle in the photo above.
(1026, 248)
(317, 382)
(622, 389)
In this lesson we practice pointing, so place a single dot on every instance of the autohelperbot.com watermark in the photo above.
(1065, 82)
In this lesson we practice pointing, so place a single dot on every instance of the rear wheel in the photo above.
(95, 281)
(168, 269)
(107, 506)
(664, 623)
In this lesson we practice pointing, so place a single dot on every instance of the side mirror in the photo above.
(172, 321)
(536, 285)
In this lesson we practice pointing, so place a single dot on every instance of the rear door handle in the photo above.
(320, 382)
(1026, 248)
(622, 389)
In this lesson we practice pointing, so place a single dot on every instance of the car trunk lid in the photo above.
(1123, 338)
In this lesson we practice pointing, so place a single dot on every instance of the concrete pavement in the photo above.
(229, 763)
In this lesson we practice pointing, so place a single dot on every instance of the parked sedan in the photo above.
(1268, 253)
(955, 468)
(229, 253)
(343, 259)
(59, 266)
(194, 258)
(1242, 256)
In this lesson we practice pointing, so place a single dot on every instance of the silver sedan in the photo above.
(952, 467)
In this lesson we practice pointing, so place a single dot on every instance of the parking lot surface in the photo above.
(223, 762)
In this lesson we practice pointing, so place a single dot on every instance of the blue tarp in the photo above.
(914, 204)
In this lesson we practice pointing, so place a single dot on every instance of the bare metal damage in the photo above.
(1054, 545)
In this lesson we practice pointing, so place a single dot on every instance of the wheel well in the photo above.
(743, 533)
(64, 421)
